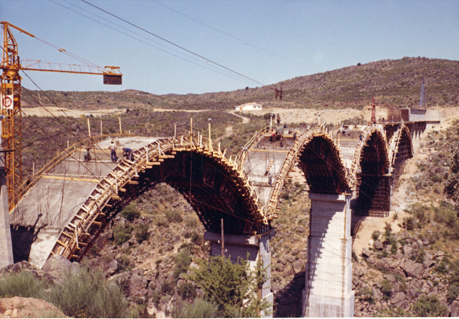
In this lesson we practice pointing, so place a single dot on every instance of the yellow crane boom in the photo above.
(10, 100)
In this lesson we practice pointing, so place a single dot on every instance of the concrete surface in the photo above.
(6, 244)
(58, 196)
(328, 278)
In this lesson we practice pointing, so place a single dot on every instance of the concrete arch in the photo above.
(218, 190)
(321, 161)
(371, 173)
(401, 150)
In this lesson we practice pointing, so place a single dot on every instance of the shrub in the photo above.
(130, 212)
(198, 308)
(86, 293)
(386, 288)
(122, 234)
(141, 233)
(230, 286)
(22, 284)
(453, 292)
(182, 261)
(375, 235)
(174, 216)
(187, 290)
(429, 306)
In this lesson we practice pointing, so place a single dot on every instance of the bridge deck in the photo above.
(58, 196)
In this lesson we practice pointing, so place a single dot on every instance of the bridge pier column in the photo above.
(328, 287)
(6, 244)
(238, 246)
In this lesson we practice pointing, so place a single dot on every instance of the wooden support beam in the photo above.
(152, 163)
(133, 182)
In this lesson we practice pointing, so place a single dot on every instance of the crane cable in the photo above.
(185, 58)
(174, 44)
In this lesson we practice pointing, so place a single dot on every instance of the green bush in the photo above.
(86, 293)
(22, 284)
(130, 212)
(173, 216)
(182, 261)
(230, 286)
(386, 288)
(429, 306)
(375, 235)
(122, 234)
(453, 292)
(198, 308)
(141, 233)
(187, 290)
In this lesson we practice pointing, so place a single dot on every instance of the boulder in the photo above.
(382, 263)
(397, 298)
(366, 252)
(288, 271)
(298, 265)
(412, 269)
(59, 267)
(390, 277)
(378, 245)
(428, 263)
(290, 259)
(407, 250)
(138, 285)
(112, 267)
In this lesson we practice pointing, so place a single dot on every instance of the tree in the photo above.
(232, 287)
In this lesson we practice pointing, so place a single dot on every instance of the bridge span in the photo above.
(68, 203)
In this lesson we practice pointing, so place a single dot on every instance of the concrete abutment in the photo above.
(238, 246)
(328, 276)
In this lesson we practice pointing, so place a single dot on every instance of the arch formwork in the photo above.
(321, 161)
(371, 173)
(400, 150)
(213, 184)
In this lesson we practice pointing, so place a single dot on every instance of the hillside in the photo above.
(389, 82)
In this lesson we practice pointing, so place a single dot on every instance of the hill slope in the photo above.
(394, 82)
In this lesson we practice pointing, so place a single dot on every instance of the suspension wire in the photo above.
(174, 44)
(185, 58)
(57, 120)
(70, 154)
(232, 36)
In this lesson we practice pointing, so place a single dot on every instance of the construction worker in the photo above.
(270, 180)
(127, 153)
(112, 149)
(87, 156)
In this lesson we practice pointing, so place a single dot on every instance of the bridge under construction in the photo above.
(349, 170)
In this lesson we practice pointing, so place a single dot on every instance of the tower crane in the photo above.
(10, 101)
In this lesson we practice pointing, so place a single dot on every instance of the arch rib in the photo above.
(78, 234)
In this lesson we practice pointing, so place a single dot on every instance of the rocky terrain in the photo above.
(404, 265)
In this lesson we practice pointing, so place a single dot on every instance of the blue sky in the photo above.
(254, 42)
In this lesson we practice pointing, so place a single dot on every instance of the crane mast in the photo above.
(10, 89)
(10, 103)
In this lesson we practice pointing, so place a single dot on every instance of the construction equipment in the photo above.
(10, 100)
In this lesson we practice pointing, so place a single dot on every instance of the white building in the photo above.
(249, 107)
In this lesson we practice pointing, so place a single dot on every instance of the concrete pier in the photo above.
(6, 245)
(328, 287)
(238, 246)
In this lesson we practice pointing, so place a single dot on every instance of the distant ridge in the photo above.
(389, 82)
